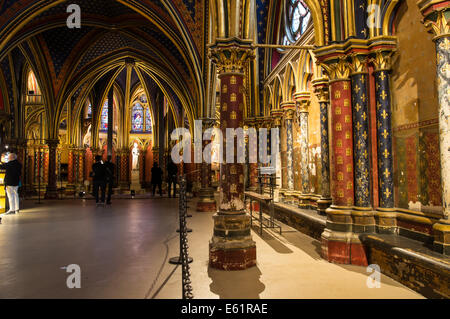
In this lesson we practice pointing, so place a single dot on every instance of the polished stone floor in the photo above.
(123, 251)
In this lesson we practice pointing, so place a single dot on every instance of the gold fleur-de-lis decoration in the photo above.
(386, 153)
(385, 134)
(384, 114)
(383, 95)
(387, 173)
(357, 88)
(382, 76)
(387, 193)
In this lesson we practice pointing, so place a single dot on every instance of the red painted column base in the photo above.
(342, 252)
(232, 259)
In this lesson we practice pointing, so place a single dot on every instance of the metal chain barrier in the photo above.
(183, 259)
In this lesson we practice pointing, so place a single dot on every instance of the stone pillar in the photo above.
(51, 191)
(339, 243)
(81, 166)
(436, 14)
(303, 100)
(289, 110)
(232, 246)
(363, 215)
(385, 212)
(124, 181)
(70, 188)
(206, 202)
(253, 167)
(275, 122)
(322, 91)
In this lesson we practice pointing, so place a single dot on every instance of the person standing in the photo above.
(156, 178)
(110, 169)
(12, 179)
(99, 177)
(172, 171)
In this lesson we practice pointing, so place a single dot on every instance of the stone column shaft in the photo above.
(51, 192)
(231, 247)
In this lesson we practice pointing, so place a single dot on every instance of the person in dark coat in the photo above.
(156, 178)
(99, 178)
(110, 169)
(172, 171)
(12, 179)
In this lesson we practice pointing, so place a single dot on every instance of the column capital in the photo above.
(382, 60)
(231, 55)
(288, 108)
(276, 116)
(358, 64)
(52, 143)
(435, 16)
(337, 69)
(322, 92)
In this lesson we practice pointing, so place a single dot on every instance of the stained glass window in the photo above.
(104, 117)
(89, 111)
(148, 121)
(137, 118)
(296, 20)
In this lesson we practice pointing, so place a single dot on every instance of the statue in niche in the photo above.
(135, 157)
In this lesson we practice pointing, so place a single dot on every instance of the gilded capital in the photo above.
(382, 60)
(231, 56)
(337, 70)
(358, 64)
(436, 16)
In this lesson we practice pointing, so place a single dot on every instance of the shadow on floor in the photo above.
(272, 241)
(241, 284)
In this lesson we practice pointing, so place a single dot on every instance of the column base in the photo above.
(441, 233)
(70, 190)
(322, 204)
(232, 247)
(386, 221)
(343, 248)
(340, 241)
(51, 193)
(304, 202)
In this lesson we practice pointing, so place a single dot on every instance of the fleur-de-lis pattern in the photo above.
(361, 140)
(325, 149)
(384, 136)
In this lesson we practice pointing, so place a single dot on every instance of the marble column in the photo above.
(253, 167)
(51, 191)
(275, 122)
(289, 110)
(321, 90)
(206, 202)
(232, 246)
(303, 102)
(436, 21)
(339, 243)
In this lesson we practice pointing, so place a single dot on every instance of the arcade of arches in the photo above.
(358, 89)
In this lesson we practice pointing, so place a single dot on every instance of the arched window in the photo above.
(296, 20)
(89, 110)
(32, 86)
(137, 118)
(148, 121)
(104, 117)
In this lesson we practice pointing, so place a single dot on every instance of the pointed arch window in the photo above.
(296, 20)
(148, 121)
(104, 117)
(137, 118)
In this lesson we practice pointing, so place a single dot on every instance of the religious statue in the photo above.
(135, 155)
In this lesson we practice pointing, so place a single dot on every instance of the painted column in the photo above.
(232, 246)
(51, 192)
(206, 202)
(303, 101)
(363, 216)
(70, 188)
(339, 243)
(289, 109)
(436, 16)
(81, 155)
(384, 129)
(275, 122)
(124, 169)
(321, 90)
(254, 166)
